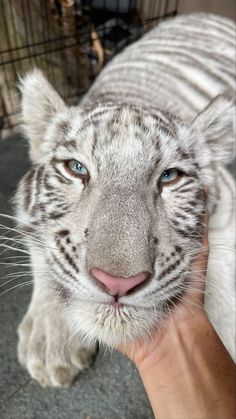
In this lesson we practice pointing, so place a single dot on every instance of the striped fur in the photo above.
(155, 106)
(185, 61)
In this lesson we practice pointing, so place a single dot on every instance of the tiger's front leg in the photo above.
(47, 347)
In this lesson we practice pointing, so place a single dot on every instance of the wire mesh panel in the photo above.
(70, 40)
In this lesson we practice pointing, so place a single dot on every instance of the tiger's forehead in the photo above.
(111, 119)
(114, 134)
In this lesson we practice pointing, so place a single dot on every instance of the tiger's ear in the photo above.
(40, 102)
(217, 123)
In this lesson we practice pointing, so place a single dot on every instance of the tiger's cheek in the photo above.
(182, 214)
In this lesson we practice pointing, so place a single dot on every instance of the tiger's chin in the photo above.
(110, 324)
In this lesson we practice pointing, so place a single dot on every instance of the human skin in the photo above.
(185, 369)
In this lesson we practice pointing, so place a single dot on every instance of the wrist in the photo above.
(176, 337)
(173, 369)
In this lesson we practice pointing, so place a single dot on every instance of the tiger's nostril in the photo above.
(116, 285)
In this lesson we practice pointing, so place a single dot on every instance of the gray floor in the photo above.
(110, 389)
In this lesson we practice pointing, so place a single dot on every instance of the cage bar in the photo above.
(70, 40)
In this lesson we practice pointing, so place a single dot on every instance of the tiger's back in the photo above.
(179, 66)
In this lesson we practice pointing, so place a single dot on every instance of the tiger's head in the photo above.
(116, 194)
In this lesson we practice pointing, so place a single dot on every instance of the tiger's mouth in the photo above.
(115, 302)
(117, 305)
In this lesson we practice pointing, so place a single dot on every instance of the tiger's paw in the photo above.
(48, 350)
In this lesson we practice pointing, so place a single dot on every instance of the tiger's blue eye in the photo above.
(77, 168)
(169, 175)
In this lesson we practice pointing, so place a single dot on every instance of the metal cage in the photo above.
(70, 40)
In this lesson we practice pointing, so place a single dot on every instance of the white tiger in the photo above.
(114, 203)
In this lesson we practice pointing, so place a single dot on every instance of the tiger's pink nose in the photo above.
(116, 285)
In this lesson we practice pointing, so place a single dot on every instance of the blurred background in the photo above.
(71, 40)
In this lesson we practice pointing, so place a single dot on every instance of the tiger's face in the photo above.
(116, 193)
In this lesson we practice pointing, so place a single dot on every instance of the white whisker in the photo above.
(17, 286)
